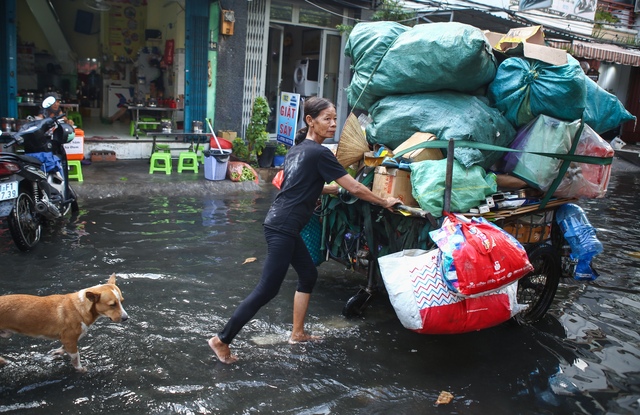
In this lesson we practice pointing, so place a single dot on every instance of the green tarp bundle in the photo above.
(424, 58)
(446, 114)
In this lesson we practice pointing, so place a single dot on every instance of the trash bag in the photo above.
(470, 187)
(427, 57)
(367, 44)
(448, 115)
(423, 302)
(525, 88)
(603, 111)
(478, 257)
(550, 135)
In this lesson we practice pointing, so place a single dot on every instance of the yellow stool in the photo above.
(160, 162)
(76, 117)
(188, 160)
(75, 170)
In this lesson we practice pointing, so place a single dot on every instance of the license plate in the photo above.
(8, 190)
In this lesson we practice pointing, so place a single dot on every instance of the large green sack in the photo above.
(469, 188)
(424, 58)
(446, 114)
(367, 44)
(525, 88)
(603, 111)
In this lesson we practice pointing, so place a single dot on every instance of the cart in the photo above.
(356, 233)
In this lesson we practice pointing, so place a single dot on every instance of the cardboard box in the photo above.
(227, 135)
(420, 154)
(526, 42)
(390, 182)
(103, 155)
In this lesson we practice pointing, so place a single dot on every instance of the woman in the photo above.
(308, 166)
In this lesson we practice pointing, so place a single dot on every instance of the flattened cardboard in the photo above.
(420, 154)
(526, 42)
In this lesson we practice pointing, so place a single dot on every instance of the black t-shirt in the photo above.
(308, 166)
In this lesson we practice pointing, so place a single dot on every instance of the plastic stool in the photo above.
(141, 125)
(76, 117)
(75, 170)
(162, 148)
(188, 160)
(201, 156)
(160, 162)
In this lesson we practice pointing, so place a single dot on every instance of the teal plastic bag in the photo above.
(424, 58)
(312, 236)
(603, 111)
(446, 114)
(525, 88)
(470, 187)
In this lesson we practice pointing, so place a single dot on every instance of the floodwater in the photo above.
(181, 267)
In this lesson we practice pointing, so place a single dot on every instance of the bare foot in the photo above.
(222, 351)
(303, 337)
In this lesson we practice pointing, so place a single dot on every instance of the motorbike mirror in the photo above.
(48, 101)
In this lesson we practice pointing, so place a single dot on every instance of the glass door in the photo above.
(329, 72)
(274, 74)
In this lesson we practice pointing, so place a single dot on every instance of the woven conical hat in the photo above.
(353, 143)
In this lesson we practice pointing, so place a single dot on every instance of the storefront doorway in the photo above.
(306, 61)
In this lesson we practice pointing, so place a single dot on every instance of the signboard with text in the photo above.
(288, 117)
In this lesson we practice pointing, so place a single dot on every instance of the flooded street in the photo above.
(180, 266)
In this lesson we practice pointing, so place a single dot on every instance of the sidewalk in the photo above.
(131, 178)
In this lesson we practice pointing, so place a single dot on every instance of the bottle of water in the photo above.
(582, 238)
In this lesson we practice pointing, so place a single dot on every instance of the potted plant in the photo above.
(281, 152)
(257, 136)
(240, 149)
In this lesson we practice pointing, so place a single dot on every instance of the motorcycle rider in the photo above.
(54, 110)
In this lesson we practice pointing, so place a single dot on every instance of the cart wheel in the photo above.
(538, 288)
(357, 304)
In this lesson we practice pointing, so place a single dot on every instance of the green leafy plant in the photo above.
(257, 135)
(281, 149)
(240, 149)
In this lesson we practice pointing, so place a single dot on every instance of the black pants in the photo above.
(282, 250)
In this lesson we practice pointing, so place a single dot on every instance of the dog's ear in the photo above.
(112, 279)
(93, 297)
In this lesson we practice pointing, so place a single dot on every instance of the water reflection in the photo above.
(180, 264)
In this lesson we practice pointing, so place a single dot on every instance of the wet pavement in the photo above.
(180, 257)
(132, 178)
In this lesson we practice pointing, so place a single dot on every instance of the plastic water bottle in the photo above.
(582, 238)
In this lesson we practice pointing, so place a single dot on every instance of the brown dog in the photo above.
(65, 317)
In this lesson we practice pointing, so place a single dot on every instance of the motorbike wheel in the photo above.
(73, 205)
(538, 288)
(24, 225)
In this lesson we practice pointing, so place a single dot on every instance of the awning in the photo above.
(599, 51)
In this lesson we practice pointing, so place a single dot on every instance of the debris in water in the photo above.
(444, 398)
(246, 261)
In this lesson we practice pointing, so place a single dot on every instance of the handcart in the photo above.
(356, 233)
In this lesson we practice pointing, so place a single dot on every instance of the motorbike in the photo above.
(34, 186)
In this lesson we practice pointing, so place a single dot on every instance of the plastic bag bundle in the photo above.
(477, 256)
(446, 114)
(470, 186)
(427, 57)
(543, 134)
(550, 135)
(525, 88)
(603, 111)
(423, 302)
